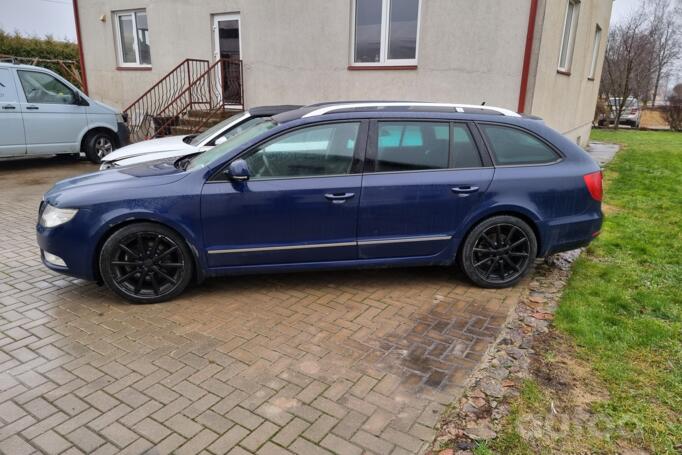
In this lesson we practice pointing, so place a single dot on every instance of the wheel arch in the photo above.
(525, 215)
(113, 227)
(95, 129)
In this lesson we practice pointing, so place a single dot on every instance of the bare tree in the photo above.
(627, 65)
(666, 38)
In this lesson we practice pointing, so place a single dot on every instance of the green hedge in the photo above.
(43, 48)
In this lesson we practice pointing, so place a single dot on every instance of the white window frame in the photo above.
(596, 48)
(572, 30)
(119, 42)
(385, 30)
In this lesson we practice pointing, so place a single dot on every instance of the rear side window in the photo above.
(512, 146)
(412, 146)
(465, 151)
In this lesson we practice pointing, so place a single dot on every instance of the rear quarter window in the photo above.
(511, 146)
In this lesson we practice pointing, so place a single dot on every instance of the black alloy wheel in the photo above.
(146, 263)
(499, 252)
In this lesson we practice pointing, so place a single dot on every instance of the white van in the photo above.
(41, 113)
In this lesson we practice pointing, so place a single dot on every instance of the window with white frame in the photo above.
(385, 32)
(568, 38)
(595, 52)
(132, 33)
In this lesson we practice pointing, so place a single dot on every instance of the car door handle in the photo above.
(32, 108)
(465, 189)
(9, 107)
(339, 198)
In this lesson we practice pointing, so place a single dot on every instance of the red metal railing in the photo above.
(143, 113)
(214, 90)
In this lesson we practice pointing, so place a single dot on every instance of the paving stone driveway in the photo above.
(347, 362)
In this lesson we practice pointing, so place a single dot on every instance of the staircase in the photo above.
(190, 98)
(196, 121)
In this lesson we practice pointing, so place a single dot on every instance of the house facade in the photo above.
(542, 57)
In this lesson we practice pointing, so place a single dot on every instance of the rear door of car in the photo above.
(53, 120)
(421, 180)
(12, 139)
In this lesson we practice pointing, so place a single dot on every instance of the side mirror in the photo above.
(238, 171)
(220, 140)
(79, 100)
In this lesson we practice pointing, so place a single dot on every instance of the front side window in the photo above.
(412, 146)
(308, 152)
(44, 88)
(132, 32)
(511, 146)
(386, 32)
(568, 38)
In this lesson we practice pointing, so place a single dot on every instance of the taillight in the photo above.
(634, 111)
(593, 182)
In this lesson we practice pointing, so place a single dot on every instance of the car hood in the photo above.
(164, 144)
(155, 156)
(107, 185)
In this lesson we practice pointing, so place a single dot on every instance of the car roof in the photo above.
(390, 107)
(8, 63)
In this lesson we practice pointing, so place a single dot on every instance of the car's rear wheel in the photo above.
(97, 145)
(146, 263)
(499, 252)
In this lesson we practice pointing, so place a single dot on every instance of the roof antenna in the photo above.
(483, 103)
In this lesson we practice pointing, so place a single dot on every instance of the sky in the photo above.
(55, 17)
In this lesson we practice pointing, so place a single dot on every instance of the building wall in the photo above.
(567, 102)
(298, 51)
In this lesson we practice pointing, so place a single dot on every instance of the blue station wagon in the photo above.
(332, 186)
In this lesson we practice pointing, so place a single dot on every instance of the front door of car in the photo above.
(299, 205)
(53, 119)
(423, 180)
(12, 140)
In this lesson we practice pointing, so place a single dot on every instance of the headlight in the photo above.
(106, 165)
(53, 216)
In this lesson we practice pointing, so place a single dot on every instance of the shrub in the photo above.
(31, 50)
(673, 111)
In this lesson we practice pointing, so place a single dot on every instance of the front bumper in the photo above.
(69, 243)
(122, 134)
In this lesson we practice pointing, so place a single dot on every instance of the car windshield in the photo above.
(258, 127)
(199, 138)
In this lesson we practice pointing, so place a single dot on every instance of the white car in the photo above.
(179, 146)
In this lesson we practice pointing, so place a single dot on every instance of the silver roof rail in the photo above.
(457, 107)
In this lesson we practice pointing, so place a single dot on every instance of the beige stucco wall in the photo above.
(567, 102)
(298, 51)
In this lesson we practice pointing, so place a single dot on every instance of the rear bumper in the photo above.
(570, 233)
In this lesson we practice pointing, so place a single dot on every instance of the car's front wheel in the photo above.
(146, 263)
(97, 145)
(498, 252)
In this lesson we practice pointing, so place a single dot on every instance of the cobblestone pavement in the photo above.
(345, 362)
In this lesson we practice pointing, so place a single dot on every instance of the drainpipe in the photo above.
(80, 46)
(530, 35)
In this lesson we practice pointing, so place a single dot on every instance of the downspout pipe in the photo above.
(530, 36)
(80, 46)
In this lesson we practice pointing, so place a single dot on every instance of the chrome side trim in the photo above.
(434, 238)
(457, 107)
(282, 248)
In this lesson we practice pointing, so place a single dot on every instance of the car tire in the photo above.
(146, 263)
(97, 145)
(498, 252)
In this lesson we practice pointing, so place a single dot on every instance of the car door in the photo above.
(299, 205)
(53, 120)
(12, 140)
(421, 181)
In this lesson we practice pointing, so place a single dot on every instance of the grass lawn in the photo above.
(623, 304)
